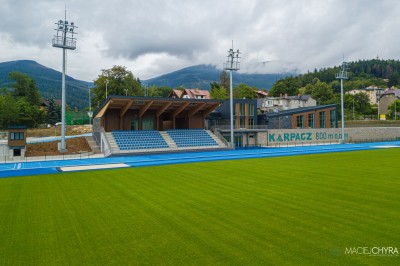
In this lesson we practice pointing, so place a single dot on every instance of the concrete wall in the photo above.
(3, 150)
(324, 135)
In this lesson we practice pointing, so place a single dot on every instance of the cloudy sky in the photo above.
(154, 37)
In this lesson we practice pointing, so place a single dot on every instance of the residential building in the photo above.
(189, 94)
(274, 104)
(372, 92)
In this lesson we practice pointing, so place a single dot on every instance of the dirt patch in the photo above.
(56, 131)
(74, 146)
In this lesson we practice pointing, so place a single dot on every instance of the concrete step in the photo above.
(217, 140)
(170, 142)
(93, 145)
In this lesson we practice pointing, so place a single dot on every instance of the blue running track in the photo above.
(49, 167)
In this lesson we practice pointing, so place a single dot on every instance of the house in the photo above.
(261, 94)
(386, 99)
(284, 102)
(190, 94)
(45, 103)
(372, 92)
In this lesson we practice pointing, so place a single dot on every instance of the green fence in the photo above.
(77, 118)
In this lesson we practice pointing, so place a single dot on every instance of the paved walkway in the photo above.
(44, 167)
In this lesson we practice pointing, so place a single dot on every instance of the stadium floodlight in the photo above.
(64, 38)
(232, 64)
(342, 75)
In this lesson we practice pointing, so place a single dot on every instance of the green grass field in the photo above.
(300, 210)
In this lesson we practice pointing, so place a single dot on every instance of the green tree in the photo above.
(244, 91)
(224, 79)
(218, 92)
(25, 87)
(395, 106)
(120, 82)
(362, 103)
(320, 91)
(156, 91)
(289, 86)
(28, 114)
(8, 111)
(52, 112)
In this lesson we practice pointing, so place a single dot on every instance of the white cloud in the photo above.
(154, 37)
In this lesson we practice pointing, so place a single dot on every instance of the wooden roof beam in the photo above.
(163, 108)
(126, 107)
(196, 109)
(180, 109)
(103, 110)
(144, 108)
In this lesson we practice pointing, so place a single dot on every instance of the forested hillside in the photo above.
(47, 80)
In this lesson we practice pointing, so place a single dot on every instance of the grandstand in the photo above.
(141, 141)
(127, 124)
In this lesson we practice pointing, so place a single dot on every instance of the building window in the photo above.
(300, 121)
(16, 135)
(251, 109)
(242, 122)
(251, 122)
(322, 119)
(242, 109)
(333, 118)
(311, 121)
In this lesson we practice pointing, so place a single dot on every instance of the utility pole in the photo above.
(106, 88)
(90, 113)
(232, 64)
(342, 75)
(64, 39)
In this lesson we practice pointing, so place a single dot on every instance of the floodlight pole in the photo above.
(64, 39)
(342, 75)
(232, 64)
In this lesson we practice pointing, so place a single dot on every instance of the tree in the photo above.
(156, 91)
(244, 91)
(224, 79)
(289, 86)
(120, 82)
(362, 103)
(320, 91)
(25, 87)
(28, 114)
(52, 112)
(218, 92)
(395, 106)
(8, 111)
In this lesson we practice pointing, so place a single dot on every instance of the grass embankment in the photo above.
(297, 210)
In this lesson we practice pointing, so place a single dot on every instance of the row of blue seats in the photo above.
(142, 147)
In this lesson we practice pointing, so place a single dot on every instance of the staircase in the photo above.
(93, 145)
(111, 140)
(221, 144)
(171, 143)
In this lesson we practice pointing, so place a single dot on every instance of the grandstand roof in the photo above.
(125, 103)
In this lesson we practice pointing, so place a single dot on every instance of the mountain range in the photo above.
(201, 76)
(48, 80)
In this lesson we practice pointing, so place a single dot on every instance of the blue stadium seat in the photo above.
(191, 137)
(139, 139)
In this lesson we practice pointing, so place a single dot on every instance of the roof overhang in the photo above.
(160, 105)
